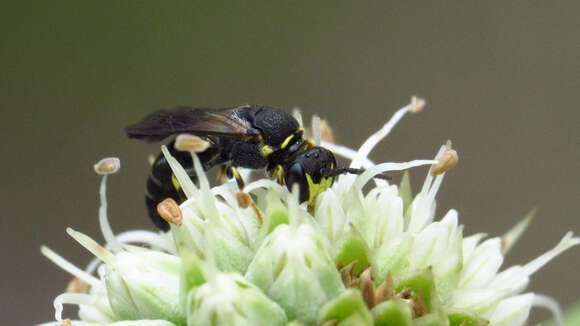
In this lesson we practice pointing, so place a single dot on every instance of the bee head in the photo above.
(310, 170)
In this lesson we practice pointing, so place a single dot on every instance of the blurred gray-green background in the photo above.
(501, 78)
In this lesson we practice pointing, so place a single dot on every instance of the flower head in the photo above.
(259, 257)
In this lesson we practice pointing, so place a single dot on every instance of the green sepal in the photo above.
(421, 284)
(435, 319)
(353, 247)
(191, 275)
(405, 190)
(276, 214)
(395, 312)
(464, 318)
(229, 299)
(347, 309)
(295, 323)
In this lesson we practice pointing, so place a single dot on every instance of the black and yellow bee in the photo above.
(250, 136)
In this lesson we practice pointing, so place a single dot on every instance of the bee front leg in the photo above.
(233, 172)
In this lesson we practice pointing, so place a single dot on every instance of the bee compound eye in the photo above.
(295, 175)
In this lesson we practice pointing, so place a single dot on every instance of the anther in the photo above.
(66, 322)
(417, 104)
(326, 132)
(170, 211)
(108, 165)
(447, 161)
(76, 285)
(244, 199)
(190, 143)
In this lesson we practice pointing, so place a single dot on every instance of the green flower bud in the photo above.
(292, 266)
(228, 299)
(348, 309)
(145, 285)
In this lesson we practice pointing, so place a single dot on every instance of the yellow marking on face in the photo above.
(316, 189)
(266, 150)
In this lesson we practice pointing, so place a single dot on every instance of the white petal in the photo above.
(483, 265)
(470, 243)
(513, 311)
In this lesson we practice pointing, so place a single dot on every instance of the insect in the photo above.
(250, 136)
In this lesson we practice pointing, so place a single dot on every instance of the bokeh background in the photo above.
(501, 79)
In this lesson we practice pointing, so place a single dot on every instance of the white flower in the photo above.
(358, 258)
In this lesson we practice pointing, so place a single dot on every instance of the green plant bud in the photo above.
(347, 309)
(292, 266)
(395, 312)
(144, 284)
(228, 299)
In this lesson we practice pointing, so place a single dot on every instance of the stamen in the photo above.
(345, 152)
(92, 246)
(66, 322)
(70, 298)
(316, 130)
(186, 184)
(566, 243)
(417, 104)
(448, 160)
(108, 165)
(104, 220)
(190, 143)
(76, 285)
(374, 139)
(509, 239)
(362, 179)
(146, 237)
(551, 305)
(326, 131)
(243, 199)
(297, 114)
(69, 267)
(169, 210)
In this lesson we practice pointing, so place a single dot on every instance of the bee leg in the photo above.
(233, 172)
(279, 175)
(222, 174)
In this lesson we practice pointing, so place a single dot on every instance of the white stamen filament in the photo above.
(566, 243)
(346, 152)
(374, 139)
(189, 189)
(551, 305)
(362, 179)
(92, 246)
(106, 230)
(316, 132)
(71, 298)
(69, 267)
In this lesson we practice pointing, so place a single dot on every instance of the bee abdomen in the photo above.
(160, 184)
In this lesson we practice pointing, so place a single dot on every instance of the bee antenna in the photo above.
(344, 170)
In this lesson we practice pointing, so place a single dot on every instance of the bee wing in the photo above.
(196, 121)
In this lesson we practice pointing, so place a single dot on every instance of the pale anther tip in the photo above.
(169, 210)
(190, 143)
(244, 199)
(108, 165)
(417, 104)
(326, 132)
(66, 322)
(448, 160)
(76, 285)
